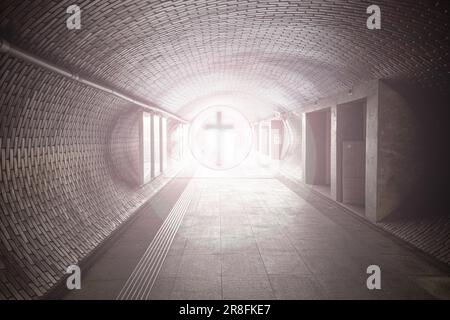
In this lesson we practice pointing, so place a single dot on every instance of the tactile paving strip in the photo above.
(140, 282)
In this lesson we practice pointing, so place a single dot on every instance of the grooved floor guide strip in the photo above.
(140, 282)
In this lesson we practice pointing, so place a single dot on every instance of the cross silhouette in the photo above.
(220, 127)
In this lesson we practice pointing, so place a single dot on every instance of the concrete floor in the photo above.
(256, 237)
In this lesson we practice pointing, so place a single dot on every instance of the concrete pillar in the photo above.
(328, 148)
(186, 146)
(335, 155)
(372, 156)
(265, 142)
(255, 130)
(145, 147)
(303, 148)
(180, 138)
(141, 148)
(392, 163)
(399, 164)
(277, 137)
(152, 143)
(164, 144)
(182, 141)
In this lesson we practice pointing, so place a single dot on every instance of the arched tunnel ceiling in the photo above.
(260, 56)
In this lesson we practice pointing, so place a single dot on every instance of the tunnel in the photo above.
(212, 149)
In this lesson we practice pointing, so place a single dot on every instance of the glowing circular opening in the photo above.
(220, 137)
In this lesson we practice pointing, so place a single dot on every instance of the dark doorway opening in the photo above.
(317, 157)
(352, 144)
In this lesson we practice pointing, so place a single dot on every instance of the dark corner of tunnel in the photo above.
(430, 110)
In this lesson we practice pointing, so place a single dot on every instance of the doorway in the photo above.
(277, 127)
(318, 146)
(352, 146)
(265, 142)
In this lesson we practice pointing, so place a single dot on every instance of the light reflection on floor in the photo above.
(248, 236)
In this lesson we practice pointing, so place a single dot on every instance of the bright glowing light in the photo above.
(220, 137)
